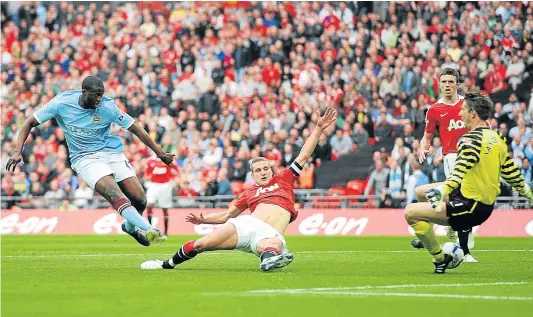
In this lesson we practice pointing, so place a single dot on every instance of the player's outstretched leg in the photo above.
(421, 216)
(133, 190)
(223, 238)
(271, 255)
(466, 241)
(165, 217)
(107, 187)
(420, 193)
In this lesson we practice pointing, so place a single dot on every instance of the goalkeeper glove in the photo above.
(526, 192)
(435, 196)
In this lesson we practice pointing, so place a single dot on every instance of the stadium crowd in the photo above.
(220, 83)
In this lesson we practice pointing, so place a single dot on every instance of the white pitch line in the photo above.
(401, 251)
(486, 297)
(83, 255)
(52, 255)
(327, 290)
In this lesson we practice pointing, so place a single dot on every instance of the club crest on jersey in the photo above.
(465, 140)
(96, 118)
(264, 190)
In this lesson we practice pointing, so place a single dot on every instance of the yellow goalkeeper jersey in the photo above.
(482, 158)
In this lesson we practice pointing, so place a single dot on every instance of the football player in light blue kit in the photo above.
(86, 116)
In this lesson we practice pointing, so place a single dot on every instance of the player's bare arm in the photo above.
(309, 146)
(214, 218)
(136, 129)
(16, 157)
(425, 145)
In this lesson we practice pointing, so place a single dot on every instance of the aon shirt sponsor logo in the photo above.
(160, 170)
(264, 190)
(456, 125)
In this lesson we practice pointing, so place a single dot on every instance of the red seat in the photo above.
(357, 186)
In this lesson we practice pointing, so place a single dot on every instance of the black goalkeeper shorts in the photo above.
(465, 213)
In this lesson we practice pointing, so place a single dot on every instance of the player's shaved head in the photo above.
(93, 92)
(92, 83)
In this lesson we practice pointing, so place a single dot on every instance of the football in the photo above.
(455, 251)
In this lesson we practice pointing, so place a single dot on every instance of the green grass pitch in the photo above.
(331, 276)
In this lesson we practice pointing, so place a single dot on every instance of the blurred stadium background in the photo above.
(220, 83)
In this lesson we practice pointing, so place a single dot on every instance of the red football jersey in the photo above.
(279, 191)
(446, 118)
(160, 172)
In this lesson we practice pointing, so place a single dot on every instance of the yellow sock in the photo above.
(424, 232)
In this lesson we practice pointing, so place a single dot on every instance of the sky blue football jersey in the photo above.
(86, 130)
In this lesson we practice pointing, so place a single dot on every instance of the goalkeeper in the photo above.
(482, 158)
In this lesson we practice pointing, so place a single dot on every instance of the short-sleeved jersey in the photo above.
(86, 130)
(482, 158)
(279, 191)
(160, 172)
(446, 119)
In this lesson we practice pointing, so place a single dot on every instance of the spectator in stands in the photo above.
(378, 179)
(521, 129)
(418, 178)
(37, 190)
(288, 155)
(527, 170)
(214, 153)
(238, 171)
(398, 144)
(224, 186)
(513, 103)
(505, 133)
(83, 195)
(186, 193)
(211, 184)
(360, 135)
(341, 143)
(323, 151)
(383, 128)
(528, 150)
(55, 194)
(395, 185)
(9, 194)
(515, 70)
(66, 205)
(21, 183)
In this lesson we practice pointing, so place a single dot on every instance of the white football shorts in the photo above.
(449, 163)
(160, 193)
(97, 165)
(252, 230)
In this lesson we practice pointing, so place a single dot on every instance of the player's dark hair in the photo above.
(481, 104)
(450, 71)
(92, 83)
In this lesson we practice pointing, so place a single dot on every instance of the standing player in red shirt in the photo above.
(271, 202)
(160, 188)
(444, 117)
